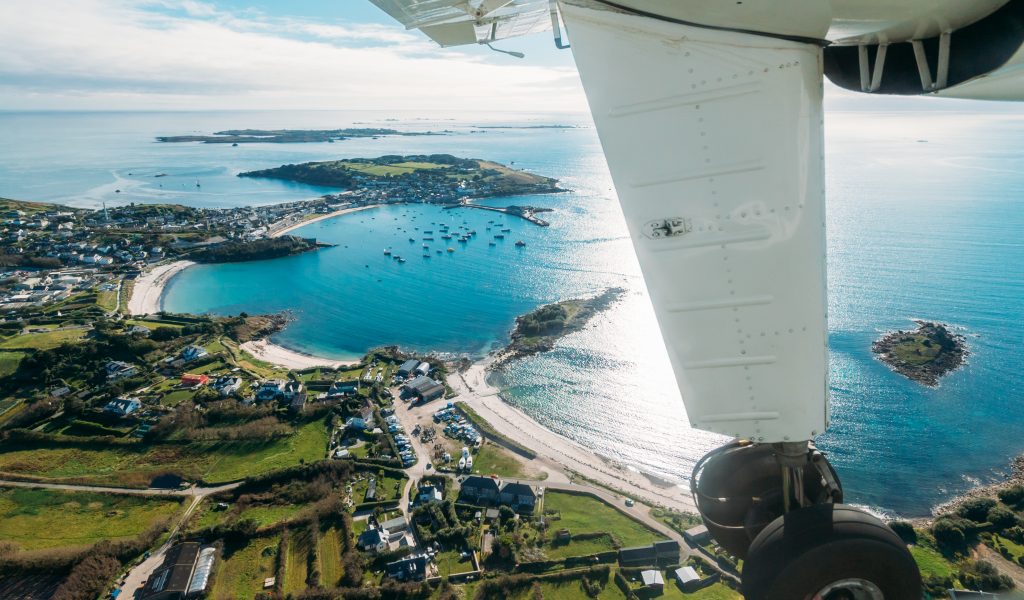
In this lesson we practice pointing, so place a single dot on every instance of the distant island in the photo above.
(924, 355)
(289, 136)
(538, 330)
(434, 178)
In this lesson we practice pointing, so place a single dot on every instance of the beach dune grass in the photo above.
(30, 517)
(580, 513)
(135, 465)
(494, 460)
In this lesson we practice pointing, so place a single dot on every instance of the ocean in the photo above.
(924, 216)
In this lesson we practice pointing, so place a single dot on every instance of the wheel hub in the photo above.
(850, 589)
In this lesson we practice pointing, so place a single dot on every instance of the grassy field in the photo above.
(329, 552)
(9, 361)
(569, 590)
(29, 518)
(43, 341)
(241, 573)
(579, 548)
(401, 168)
(212, 462)
(930, 562)
(297, 565)
(495, 460)
(586, 514)
(270, 514)
(451, 562)
(913, 350)
(107, 300)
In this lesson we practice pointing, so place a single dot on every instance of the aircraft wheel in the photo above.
(829, 552)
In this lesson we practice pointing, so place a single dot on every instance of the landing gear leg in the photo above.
(777, 506)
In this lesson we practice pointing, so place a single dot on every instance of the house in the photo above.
(191, 353)
(227, 385)
(477, 489)
(343, 388)
(119, 370)
(140, 330)
(374, 540)
(123, 406)
(192, 380)
(639, 556)
(697, 536)
(356, 424)
(371, 490)
(295, 393)
(398, 524)
(653, 580)
(270, 390)
(519, 496)
(690, 581)
(413, 568)
(428, 494)
(172, 579)
(667, 552)
(407, 368)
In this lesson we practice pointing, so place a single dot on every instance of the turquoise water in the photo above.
(917, 229)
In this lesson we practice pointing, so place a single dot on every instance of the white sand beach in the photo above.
(270, 352)
(289, 228)
(149, 288)
(557, 450)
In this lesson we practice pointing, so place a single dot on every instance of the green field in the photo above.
(212, 462)
(913, 350)
(579, 547)
(329, 552)
(930, 562)
(35, 519)
(271, 513)
(569, 590)
(401, 168)
(107, 300)
(241, 573)
(451, 562)
(297, 565)
(9, 362)
(494, 460)
(44, 341)
(586, 514)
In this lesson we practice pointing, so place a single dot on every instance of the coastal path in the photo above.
(196, 491)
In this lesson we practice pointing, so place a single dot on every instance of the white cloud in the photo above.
(125, 55)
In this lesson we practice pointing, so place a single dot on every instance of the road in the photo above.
(182, 492)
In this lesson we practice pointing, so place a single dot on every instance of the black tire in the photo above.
(801, 553)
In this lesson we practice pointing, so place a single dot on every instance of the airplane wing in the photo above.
(455, 23)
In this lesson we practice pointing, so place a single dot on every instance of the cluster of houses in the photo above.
(480, 490)
(384, 536)
(32, 288)
(291, 391)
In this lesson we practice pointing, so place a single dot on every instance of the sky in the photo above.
(278, 54)
(264, 54)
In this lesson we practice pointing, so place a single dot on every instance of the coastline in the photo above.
(267, 351)
(555, 450)
(289, 228)
(147, 294)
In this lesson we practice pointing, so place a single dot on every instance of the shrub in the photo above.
(949, 532)
(905, 530)
(983, 575)
(1012, 495)
(976, 509)
(1001, 517)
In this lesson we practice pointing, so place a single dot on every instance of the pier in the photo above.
(523, 212)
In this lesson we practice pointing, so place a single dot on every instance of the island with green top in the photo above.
(434, 178)
(925, 354)
(537, 331)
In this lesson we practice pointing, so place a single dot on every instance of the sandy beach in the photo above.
(556, 450)
(337, 213)
(270, 352)
(149, 288)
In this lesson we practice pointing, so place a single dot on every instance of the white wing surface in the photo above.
(454, 23)
(715, 142)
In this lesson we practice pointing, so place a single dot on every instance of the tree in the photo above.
(1012, 495)
(905, 530)
(949, 533)
(976, 509)
(1001, 517)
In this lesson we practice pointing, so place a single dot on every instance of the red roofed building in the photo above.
(190, 380)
